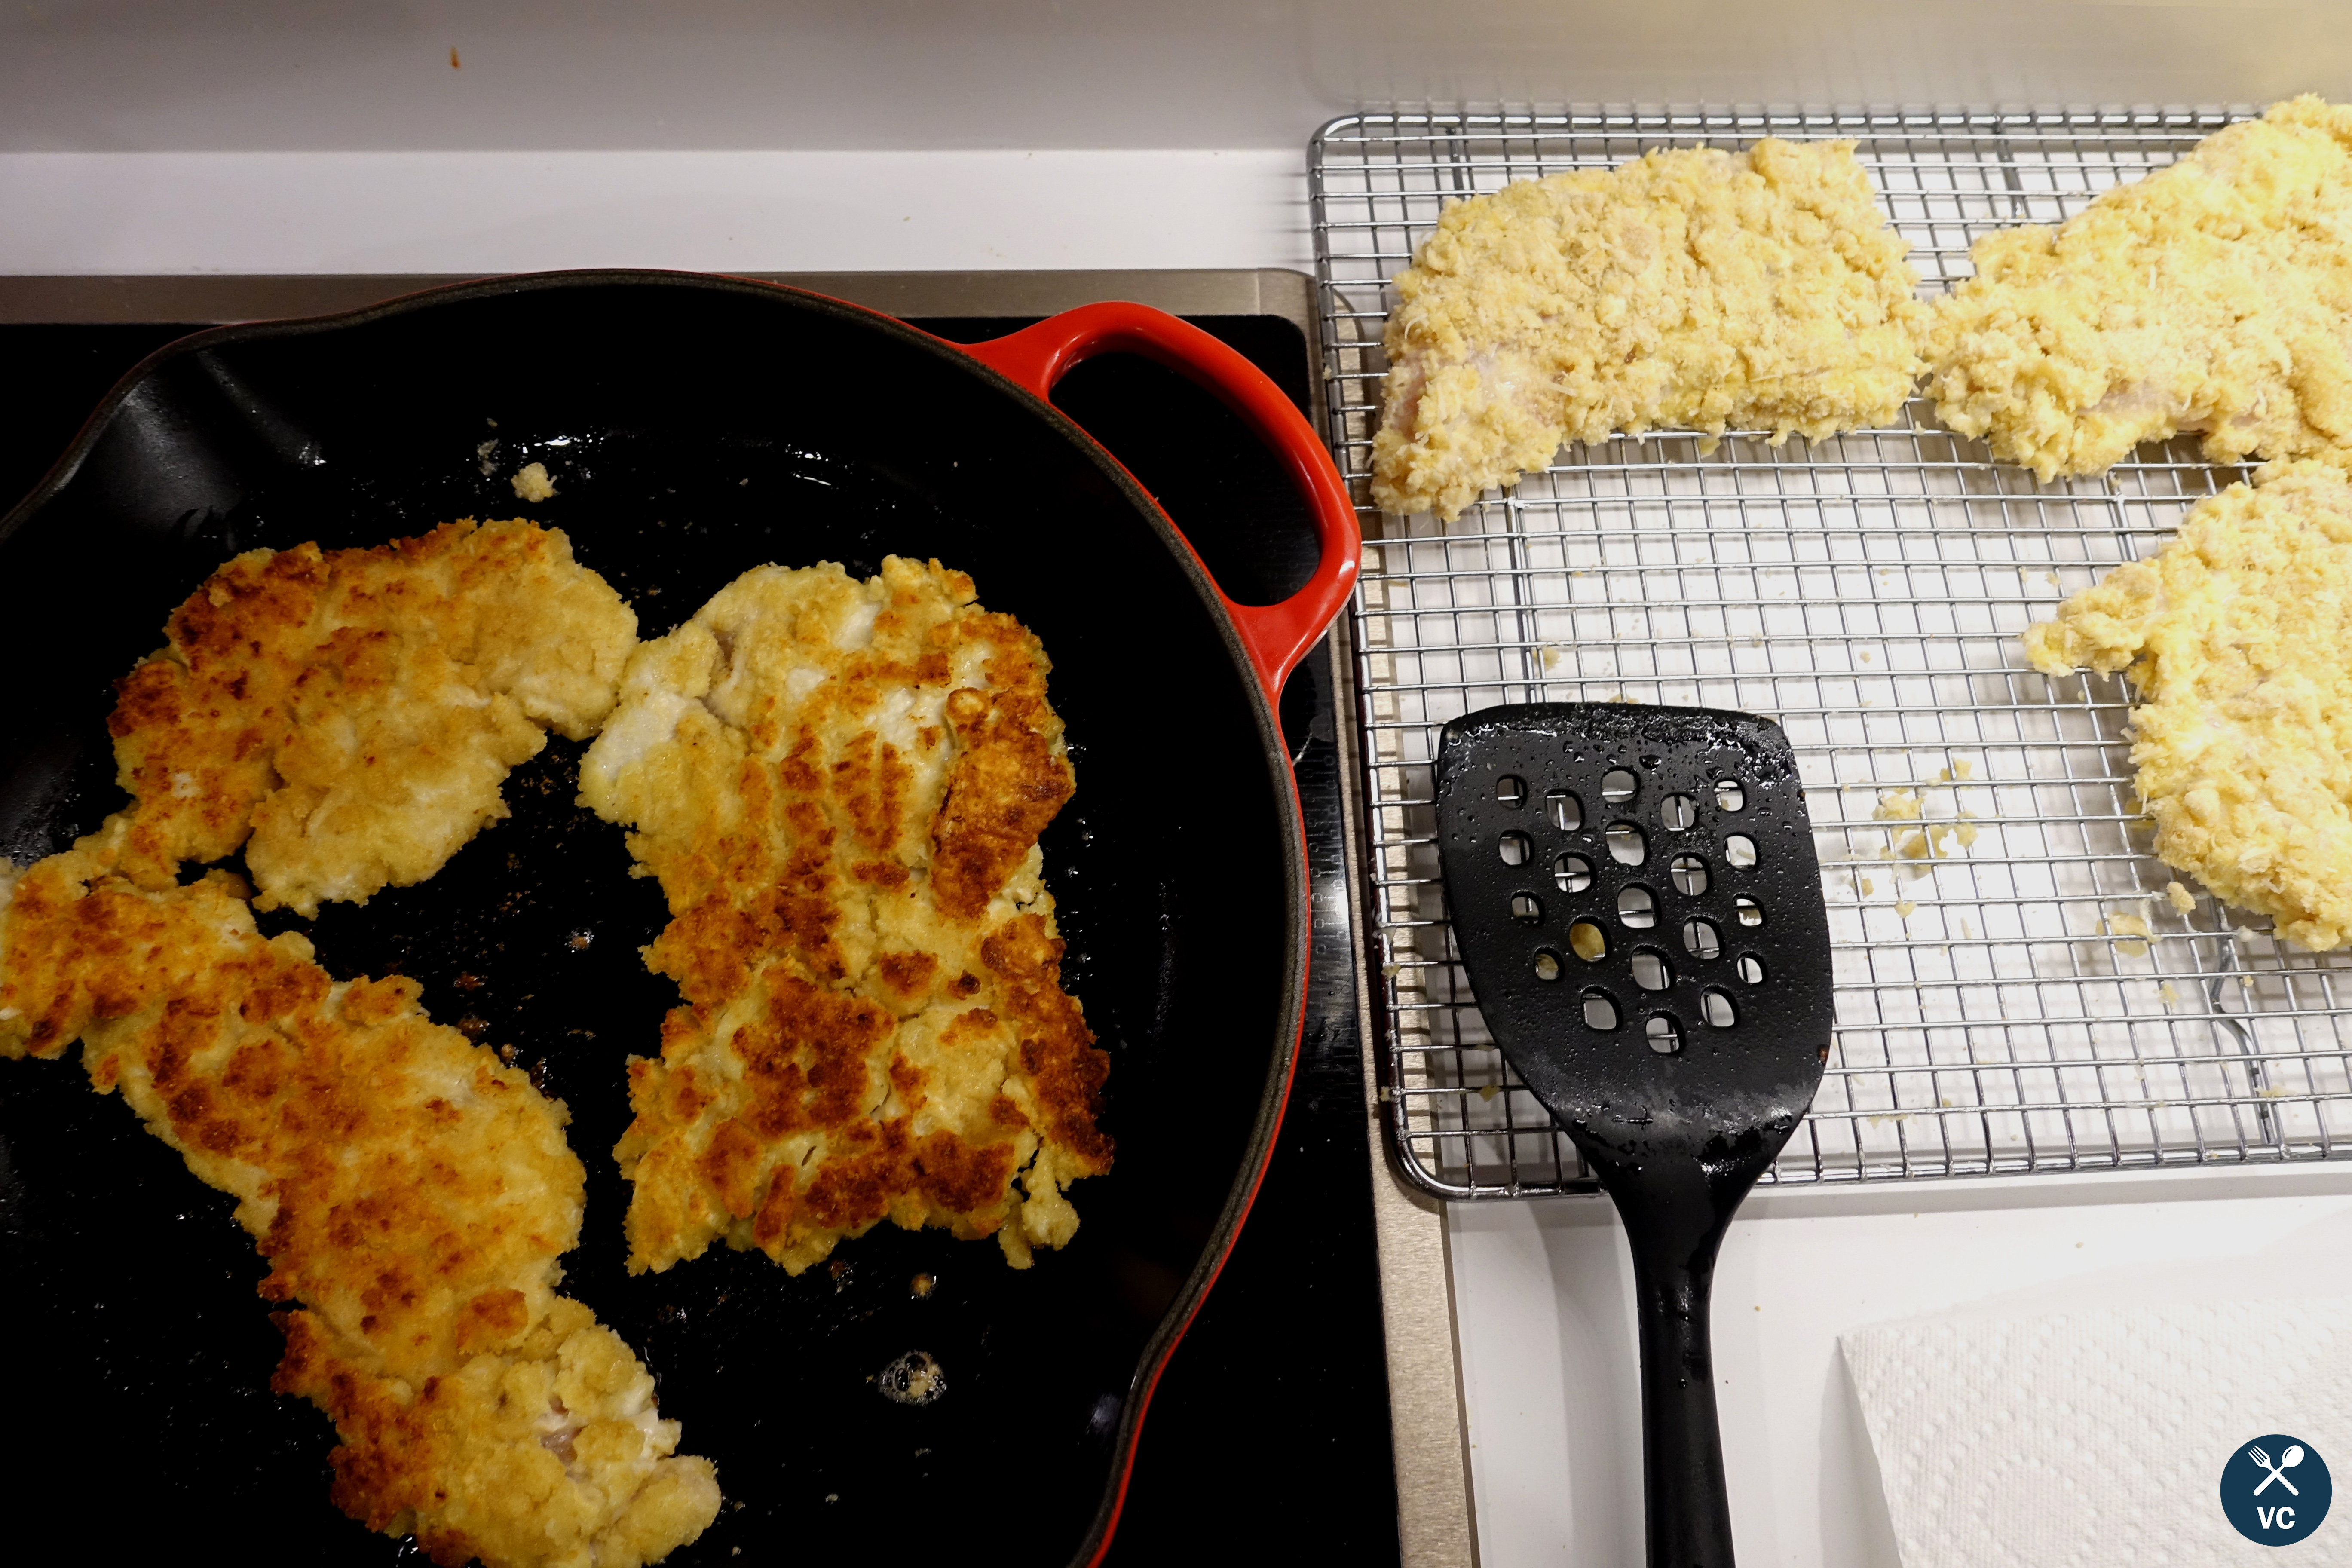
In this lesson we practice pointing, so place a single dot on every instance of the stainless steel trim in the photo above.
(1428, 1421)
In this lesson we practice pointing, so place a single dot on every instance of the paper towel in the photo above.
(2095, 1437)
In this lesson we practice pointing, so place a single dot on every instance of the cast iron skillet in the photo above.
(696, 427)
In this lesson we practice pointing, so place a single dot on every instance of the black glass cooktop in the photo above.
(1268, 1439)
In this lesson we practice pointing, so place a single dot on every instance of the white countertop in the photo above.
(1542, 1290)
(1544, 1305)
(728, 211)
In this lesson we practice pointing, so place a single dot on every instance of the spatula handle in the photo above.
(1682, 1449)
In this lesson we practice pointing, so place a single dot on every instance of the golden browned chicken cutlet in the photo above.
(1692, 289)
(411, 1192)
(840, 786)
(2233, 637)
(2213, 295)
(355, 712)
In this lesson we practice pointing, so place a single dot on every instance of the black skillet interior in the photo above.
(694, 428)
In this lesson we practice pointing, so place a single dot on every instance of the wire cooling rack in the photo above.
(2016, 991)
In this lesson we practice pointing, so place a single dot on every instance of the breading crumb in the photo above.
(1897, 806)
(913, 1379)
(1922, 846)
(532, 483)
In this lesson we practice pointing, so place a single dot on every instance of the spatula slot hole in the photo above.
(1665, 1036)
(1701, 940)
(1689, 875)
(1716, 1007)
(1571, 873)
(1677, 813)
(1599, 1011)
(1567, 812)
(1728, 796)
(1650, 970)
(1547, 964)
(1637, 909)
(1617, 785)
(1587, 941)
(1626, 845)
(1518, 849)
(1511, 791)
(1750, 912)
(1739, 850)
(1752, 969)
(1527, 909)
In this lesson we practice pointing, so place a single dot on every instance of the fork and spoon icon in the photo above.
(2287, 1461)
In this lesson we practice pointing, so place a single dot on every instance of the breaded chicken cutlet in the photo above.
(2233, 637)
(411, 1192)
(2214, 296)
(1692, 289)
(840, 786)
(354, 711)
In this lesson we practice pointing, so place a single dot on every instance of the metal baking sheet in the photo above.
(2015, 994)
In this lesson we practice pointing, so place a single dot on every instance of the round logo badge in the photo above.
(2277, 1489)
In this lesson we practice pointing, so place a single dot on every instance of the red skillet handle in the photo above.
(1276, 635)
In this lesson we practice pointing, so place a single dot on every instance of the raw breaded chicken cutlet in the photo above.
(2214, 296)
(2233, 637)
(840, 786)
(412, 1193)
(1691, 288)
(348, 716)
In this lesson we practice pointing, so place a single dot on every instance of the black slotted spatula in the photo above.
(1635, 896)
